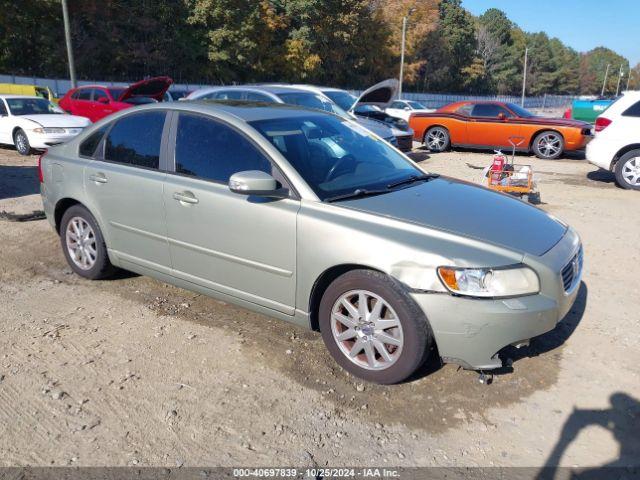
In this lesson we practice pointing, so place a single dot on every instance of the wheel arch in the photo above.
(322, 283)
(621, 152)
(61, 207)
(535, 134)
(433, 125)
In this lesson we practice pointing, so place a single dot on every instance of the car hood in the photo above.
(470, 211)
(381, 94)
(151, 87)
(57, 120)
(379, 128)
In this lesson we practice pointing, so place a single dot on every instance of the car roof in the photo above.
(243, 110)
(273, 89)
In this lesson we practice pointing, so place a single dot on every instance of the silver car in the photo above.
(308, 217)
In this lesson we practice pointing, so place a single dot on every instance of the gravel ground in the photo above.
(131, 371)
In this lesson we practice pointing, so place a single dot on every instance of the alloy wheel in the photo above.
(81, 243)
(549, 145)
(436, 139)
(21, 142)
(367, 330)
(631, 171)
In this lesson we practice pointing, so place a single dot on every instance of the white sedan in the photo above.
(36, 123)
(404, 108)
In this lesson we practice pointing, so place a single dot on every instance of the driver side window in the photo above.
(210, 150)
(489, 110)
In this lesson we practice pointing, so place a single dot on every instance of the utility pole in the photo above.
(404, 35)
(67, 37)
(604, 84)
(619, 79)
(629, 79)
(524, 76)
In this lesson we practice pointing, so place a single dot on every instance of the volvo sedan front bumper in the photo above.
(471, 331)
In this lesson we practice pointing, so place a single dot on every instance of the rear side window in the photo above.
(135, 140)
(83, 94)
(3, 108)
(465, 110)
(258, 97)
(488, 110)
(210, 150)
(632, 111)
(88, 147)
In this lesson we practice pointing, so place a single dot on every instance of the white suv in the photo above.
(616, 146)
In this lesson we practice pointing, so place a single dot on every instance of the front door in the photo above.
(124, 186)
(234, 244)
(491, 125)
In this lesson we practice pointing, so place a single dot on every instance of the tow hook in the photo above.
(485, 378)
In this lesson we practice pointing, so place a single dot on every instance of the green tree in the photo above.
(593, 66)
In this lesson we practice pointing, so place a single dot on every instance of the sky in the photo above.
(580, 24)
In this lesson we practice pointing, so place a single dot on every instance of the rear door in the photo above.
(492, 125)
(125, 187)
(81, 102)
(234, 244)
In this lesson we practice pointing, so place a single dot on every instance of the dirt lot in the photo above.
(131, 371)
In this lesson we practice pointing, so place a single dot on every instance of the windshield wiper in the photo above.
(360, 192)
(414, 178)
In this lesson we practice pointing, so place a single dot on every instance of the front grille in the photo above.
(572, 271)
(405, 143)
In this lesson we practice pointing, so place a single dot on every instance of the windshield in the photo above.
(343, 99)
(519, 111)
(312, 100)
(116, 92)
(31, 106)
(334, 156)
(416, 105)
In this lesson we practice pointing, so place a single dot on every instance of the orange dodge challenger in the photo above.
(490, 125)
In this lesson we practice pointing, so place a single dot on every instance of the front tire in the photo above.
(548, 145)
(627, 170)
(21, 142)
(373, 328)
(83, 244)
(437, 139)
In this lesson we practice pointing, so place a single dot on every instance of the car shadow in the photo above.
(419, 155)
(602, 175)
(18, 181)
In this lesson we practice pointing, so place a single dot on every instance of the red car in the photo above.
(96, 101)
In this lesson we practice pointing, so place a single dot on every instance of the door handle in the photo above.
(185, 197)
(98, 178)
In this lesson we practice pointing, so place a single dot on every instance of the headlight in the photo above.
(49, 130)
(490, 282)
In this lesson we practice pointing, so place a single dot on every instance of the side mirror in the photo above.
(406, 108)
(502, 116)
(255, 182)
(103, 100)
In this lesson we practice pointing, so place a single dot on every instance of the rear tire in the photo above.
(83, 244)
(627, 170)
(373, 328)
(21, 142)
(548, 145)
(437, 139)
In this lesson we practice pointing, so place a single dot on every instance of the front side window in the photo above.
(336, 157)
(398, 105)
(98, 94)
(258, 97)
(31, 106)
(135, 139)
(519, 111)
(3, 109)
(488, 110)
(416, 105)
(211, 150)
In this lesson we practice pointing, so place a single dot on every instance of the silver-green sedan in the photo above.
(308, 217)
